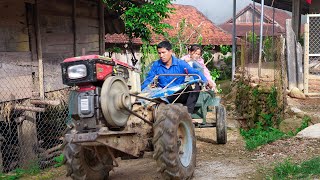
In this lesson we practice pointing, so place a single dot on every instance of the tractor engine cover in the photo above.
(115, 101)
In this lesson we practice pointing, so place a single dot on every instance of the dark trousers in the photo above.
(188, 98)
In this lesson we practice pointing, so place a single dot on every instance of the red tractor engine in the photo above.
(102, 94)
(84, 71)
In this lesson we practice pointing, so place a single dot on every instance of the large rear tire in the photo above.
(174, 142)
(83, 163)
(221, 127)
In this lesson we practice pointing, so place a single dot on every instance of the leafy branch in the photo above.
(142, 19)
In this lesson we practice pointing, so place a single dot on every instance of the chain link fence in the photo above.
(312, 53)
(273, 78)
(31, 129)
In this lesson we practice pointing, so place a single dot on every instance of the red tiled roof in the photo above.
(280, 17)
(211, 34)
(120, 39)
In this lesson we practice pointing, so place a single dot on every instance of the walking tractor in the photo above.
(110, 119)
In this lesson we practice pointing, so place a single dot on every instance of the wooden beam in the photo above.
(39, 50)
(296, 17)
(31, 31)
(291, 55)
(101, 28)
(45, 102)
(306, 59)
(28, 108)
(74, 26)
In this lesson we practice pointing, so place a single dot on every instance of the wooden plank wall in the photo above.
(13, 27)
(87, 27)
(57, 35)
(16, 65)
(247, 17)
(57, 39)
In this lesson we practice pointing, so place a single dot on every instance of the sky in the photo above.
(218, 11)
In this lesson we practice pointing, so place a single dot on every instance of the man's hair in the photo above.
(165, 44)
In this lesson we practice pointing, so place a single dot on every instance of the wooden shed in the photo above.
(35, 37)
(39, 34)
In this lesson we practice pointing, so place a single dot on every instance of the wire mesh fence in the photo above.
(31, 129)
(313, 54)
(272, 69)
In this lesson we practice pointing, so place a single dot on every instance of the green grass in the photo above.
(18, 173)
(59, 160)
(289, 170)
(260, 136)
(33, 170)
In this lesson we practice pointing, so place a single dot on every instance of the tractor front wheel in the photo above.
(86, 163)
(174, 142)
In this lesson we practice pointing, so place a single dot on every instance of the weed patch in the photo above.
(59, 160)
(18, 173)
(288, 170)
(260, 136)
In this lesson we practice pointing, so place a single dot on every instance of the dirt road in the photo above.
(214, 161)
(229, 161)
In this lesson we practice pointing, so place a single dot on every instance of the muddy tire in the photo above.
(221, 127)
(83, 163)
(174, 142)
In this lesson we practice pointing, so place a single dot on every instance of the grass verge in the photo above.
(309, 169)
(260, 135)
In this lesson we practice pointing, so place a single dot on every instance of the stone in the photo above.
(253, 85)
(298, 112)
(296, 93)
(255, 79)
(310, 132)
(290, 124)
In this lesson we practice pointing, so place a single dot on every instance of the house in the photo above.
(201, 25)
(244, 21)
(297, 7)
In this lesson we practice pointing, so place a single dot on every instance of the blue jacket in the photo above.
(178, 66)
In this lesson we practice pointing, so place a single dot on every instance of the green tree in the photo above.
(141, 19)
(186, 32)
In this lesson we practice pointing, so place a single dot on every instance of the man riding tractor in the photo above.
(109, 120)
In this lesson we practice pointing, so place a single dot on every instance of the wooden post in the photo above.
(39, 50)
(74, 27)
(306, 59)
(243, 53)
(299, 71)
(291, 55)
(27, 130)
(27, 135)
(101, 28)
(31, 32)
(296, 17)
